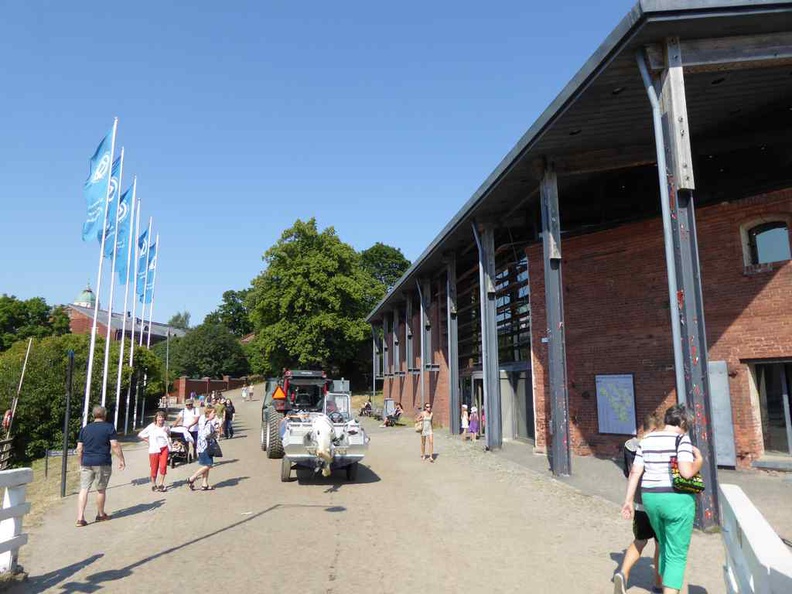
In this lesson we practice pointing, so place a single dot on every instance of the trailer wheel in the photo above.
(264, 436)
(274, 443)
(352, 471)
(285, 470)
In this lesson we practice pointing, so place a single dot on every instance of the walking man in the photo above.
(94, 445)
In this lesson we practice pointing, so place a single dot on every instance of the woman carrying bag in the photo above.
(669, 500)
(207, 448)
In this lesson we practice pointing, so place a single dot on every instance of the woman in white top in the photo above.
(671, 513)
(157, 435)
(209, 430)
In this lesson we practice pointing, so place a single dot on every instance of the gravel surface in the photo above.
(471, 521)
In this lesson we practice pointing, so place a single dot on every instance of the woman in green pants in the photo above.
(670, 513)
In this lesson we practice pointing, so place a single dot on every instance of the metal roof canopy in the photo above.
(601, 120)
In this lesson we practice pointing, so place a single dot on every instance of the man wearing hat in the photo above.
(188, 418)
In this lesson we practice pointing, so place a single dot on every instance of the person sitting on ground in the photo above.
(642, 528)
(391, 419)
(365, 410)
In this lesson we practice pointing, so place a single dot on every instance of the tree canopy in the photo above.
(232, 313)
(308, 307)
(180, 320)
(31, 318)
(208, 350)
(385, 263)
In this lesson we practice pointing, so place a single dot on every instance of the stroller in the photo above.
(180, 447)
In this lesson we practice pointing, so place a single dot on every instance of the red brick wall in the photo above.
(617, 318)
(184, 386)
(79, 323)
(407, 389)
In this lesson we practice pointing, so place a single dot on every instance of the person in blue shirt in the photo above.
(94, 446)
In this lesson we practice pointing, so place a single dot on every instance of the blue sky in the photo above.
(240, 117)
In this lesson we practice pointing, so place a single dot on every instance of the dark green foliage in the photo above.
(180, 320)
(385, 263)
(31, 318)
(38, 423)
(208, 350)
(233, 313)
(308, 307)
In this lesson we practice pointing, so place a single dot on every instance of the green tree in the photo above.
(233, 313)
(180, 320)
(308, 307)
(385, 263)
(209, 350)
(38, 423)
(31, 318)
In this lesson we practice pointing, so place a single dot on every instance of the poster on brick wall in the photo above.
(616, 404)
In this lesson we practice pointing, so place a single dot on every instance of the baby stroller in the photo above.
(180, 447)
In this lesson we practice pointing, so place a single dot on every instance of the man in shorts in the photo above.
(94, 446)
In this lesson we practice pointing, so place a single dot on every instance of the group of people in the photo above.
(658, 510)
(470, 423)
(247, 392)
(199, 431)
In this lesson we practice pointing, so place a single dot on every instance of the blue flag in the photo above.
(122, 236)
(142, 264)
(95, 187)
(112, 207)
(148, 295)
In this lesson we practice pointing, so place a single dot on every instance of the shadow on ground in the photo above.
(306, 476)
(98, 581)
(642, 574)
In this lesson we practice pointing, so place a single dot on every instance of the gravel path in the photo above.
(470, 522)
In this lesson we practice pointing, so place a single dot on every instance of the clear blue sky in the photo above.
(240, 117)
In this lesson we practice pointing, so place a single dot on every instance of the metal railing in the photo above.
(14, 509)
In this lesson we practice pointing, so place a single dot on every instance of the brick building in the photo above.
(631, 251)
(81, 313)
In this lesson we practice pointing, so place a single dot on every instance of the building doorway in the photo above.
(773, 381)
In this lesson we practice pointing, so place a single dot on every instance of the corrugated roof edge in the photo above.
(619, 37)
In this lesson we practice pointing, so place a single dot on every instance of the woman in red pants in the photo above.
(157, 435)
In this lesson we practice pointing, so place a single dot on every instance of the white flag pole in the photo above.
(153, 286)
(134, 312)
(142, 321)
(92, 348)
(112, 282)
(130, 237)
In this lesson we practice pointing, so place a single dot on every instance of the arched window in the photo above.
(766, 240)
(769, 242)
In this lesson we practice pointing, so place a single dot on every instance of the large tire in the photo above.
(285, 470)
(264, 432)
(274, 443)
(352, 471)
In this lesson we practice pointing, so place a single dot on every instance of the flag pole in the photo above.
(134, 311)
(92, 348)
(106, 366)
(153, 287)
(132, 235)
(142, 322)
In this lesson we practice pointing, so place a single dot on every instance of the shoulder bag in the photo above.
(694, 484)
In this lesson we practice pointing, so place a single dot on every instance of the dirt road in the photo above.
(471, 522)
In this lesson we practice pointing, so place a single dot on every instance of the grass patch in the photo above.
(44, 492)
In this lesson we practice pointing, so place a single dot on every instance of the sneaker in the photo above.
(619, 583)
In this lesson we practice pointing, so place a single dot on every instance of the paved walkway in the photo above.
(471, 522)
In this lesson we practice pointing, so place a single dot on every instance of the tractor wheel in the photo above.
(274, 444)
(264, 433)
(352, 471)
(285, 470)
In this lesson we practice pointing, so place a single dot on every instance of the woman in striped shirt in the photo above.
(671, 513)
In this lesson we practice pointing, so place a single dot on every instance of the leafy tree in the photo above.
(232, 313)
(308, 307)
(385, 263)
(180, 320)
(31, 318)
(38, 423)
(209, 350)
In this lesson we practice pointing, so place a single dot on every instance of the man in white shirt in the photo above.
(188, 418)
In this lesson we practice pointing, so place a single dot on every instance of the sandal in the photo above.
(81, 523)
(102, 518)
(162, 488)
(153, 487)
(207, 488)
(191, 484)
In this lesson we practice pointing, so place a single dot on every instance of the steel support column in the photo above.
(454, 406)
(374, 360)
(689, 300)
(422, 334)
(560, 459)
(485, 240)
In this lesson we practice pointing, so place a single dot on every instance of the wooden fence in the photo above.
(14, 508)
